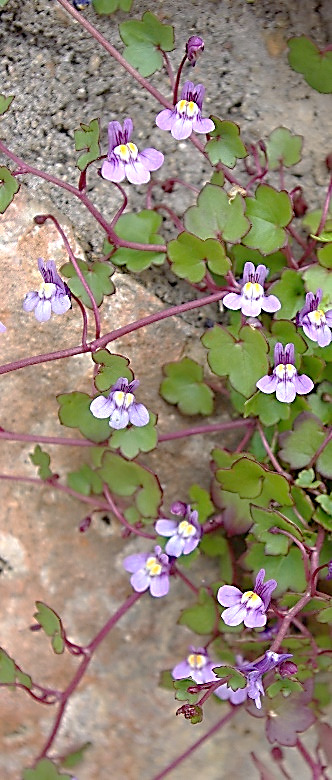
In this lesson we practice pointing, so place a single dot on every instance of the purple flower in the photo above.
(315, 323)
(194, 48)
(252, 300)
(255, 670)
(249, 607)
(120, 406)
(149, 570)
(186, 115)
(199, 666)
(184, 534)
(284, 380)
(329, 571)
(53, 294)
(2, 328)
(124, 159)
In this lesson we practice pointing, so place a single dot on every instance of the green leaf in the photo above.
(237, 679)
(247, 478)
(283, 148)
(184, 386)
(306, 479)
(44, 770)
(142, 228)
(8, 188)
(269, 212)
(131, 441)
(299, 445)
(243, 360)
(316, 67)
(76, 756)
(87, 138)
(286, 569)
(216, 546)
(202, 617)
(143, 41)
(241, 255)
(200, 500)
(324, 461)
(111, 368)
(11, 673)
(316, 277)
(75, 412)
(290, 291)
(85, 481)
(41, 459)
(325, 256)
(264, 520)
(285, 687)
(126, 478)
(215, 216)
(5, 101)
(325, 616)
(97, 276)
(190, 255)
(267, 408)
(181, 688)
(325, 502)
(312, 220)
(225, 145)
(285, 331)
(51, 624)
(109, 6)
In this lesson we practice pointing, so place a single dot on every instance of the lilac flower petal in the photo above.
(198, 94)
(30, 301)
(309, 329)
(175, 546)
(159, 586)
(251, 307)
(2, 328)
(113, 170)
(255, 619)
(248, 272)
(135, 562)
(202, 124)
(151, 159)
(102, 407)
(239, 696)
(278, 354)
(188, 90)
(114, 135)
(136, 172)
(324, 335)
(181, 128)
(270, 303)
(140, 580)
(232, 301)
(259, 581)
(328, 317)
(60, 303)
(228, 595)
(267, 384)
(132, 386)
(43, 310)
(127, 129)
(166, 527)
(182, 670)
(266, 590)
(289, 354)
(165, 119)
(303, 384)
(285, 391)
(119, 419)
(233, 616)
(190, 545)
(138, 415)
(42, 268)
(121, 384)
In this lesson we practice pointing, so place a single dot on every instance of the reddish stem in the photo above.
(201, 429)
(116, 511)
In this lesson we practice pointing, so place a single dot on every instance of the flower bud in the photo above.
(277, 753)
(300, 206)
(287, 669)
(179, 508)
(194, 48)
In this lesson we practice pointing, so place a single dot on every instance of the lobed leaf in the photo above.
(243, 360)
(132, 441)
(143, 41)
(109, 6)
(126, 478)
(189, 256)
(41, 459)
(97, 275)
(215, 216)
(142, 228)
(110, 368)
(225, 145)
(200, 618)
(283, 148)
(184, 387)
(9, 186)
(269, 213)
(87, 137)
(51, 624)
(75, 412)
(316, 66)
